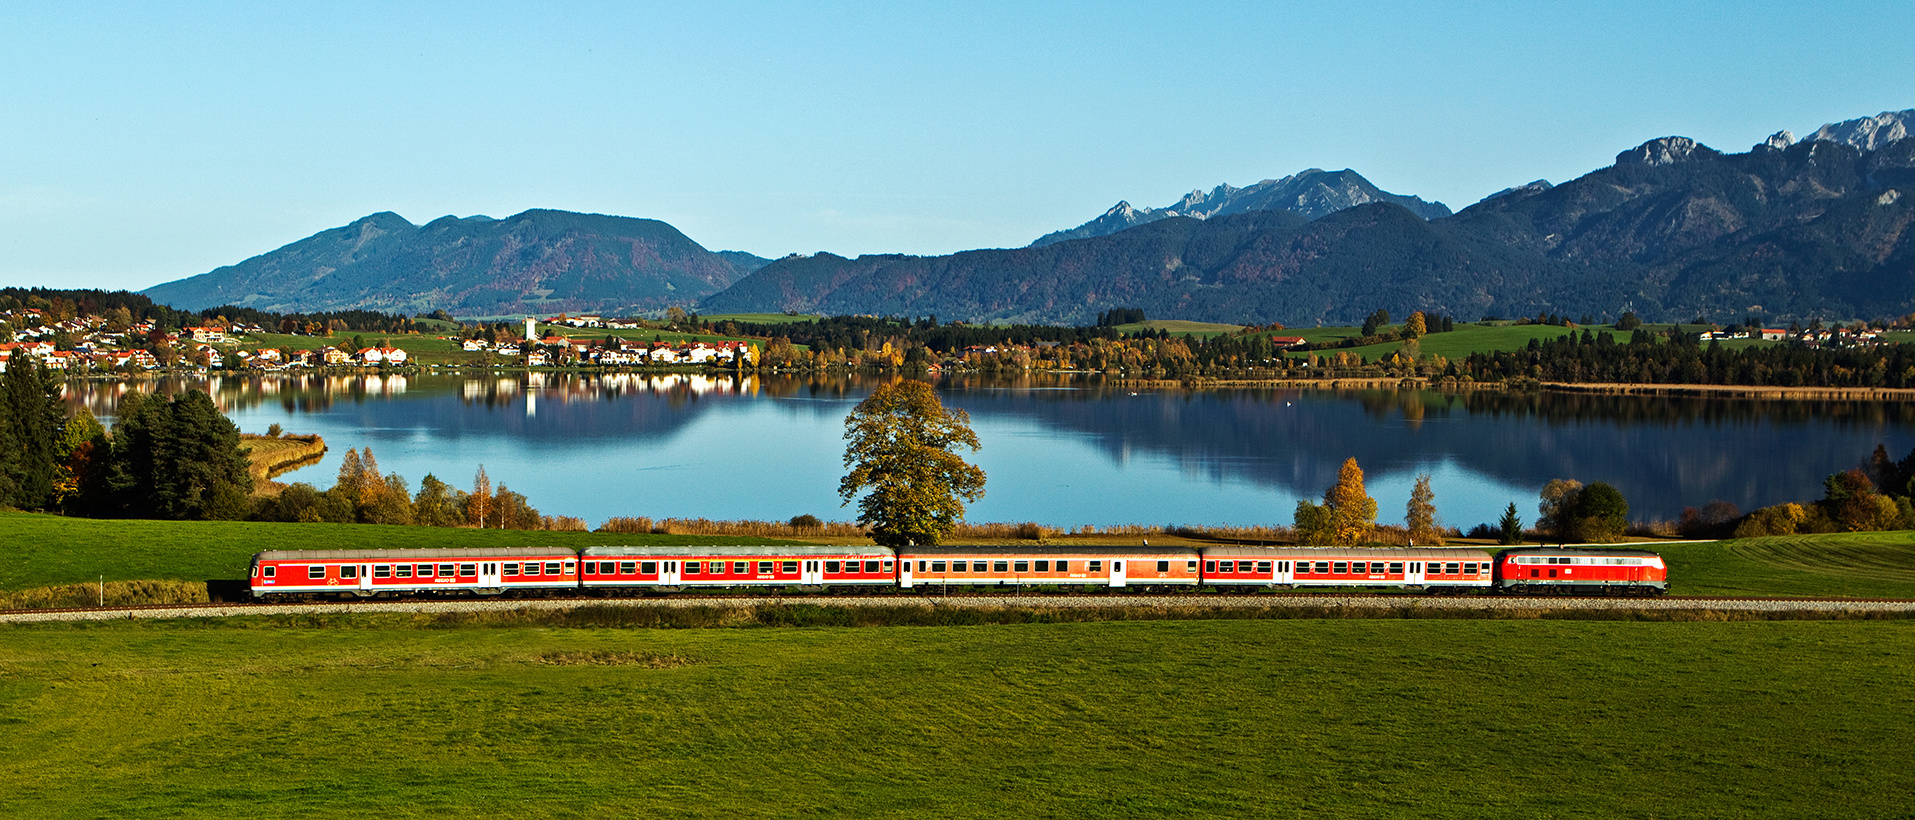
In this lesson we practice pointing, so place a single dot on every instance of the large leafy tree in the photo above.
(1352, 510)
(902, 455)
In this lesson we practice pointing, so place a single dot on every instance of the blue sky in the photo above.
(141, 143)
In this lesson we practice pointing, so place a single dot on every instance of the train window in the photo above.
(1263, 566)
(571, 568)
(1342, 567)
(1416, 566)
(1043, 566)
(998, 566)
(764, 567)
(1360, 568)
(468, 570)
(1452, 568)
(591, 568)
(1163, 566)
(402, 571)
(1022, 566)
(872, 566)
(1063, 566)
(1469, 569)
(1096, 566)
(349, 572)
(887, 566)
(648, 567)
(625, 567)
(1396, 568)
(510, 569)
(831, 566)
(936, 566)
(445, 570)
(1227, 566)
(740, 567)
(269, 571)
(315, 572)
(1190, 566)
(790, 566)
(382, 571)
(1323, 568)
(1210, 566)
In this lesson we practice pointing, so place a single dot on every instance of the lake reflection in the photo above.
(1061, 451)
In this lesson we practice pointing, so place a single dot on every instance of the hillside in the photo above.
(1673, 230)
(539, 261)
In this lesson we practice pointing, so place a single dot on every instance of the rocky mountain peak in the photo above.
(1665, 151)
(1778, 140)
(1868, 133)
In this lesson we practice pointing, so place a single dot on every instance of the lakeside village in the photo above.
(89, 343)
(98, 349)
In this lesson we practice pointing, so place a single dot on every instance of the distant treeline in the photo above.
(132, 308)
(1679, 358)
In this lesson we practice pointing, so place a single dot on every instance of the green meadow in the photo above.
(402, 717)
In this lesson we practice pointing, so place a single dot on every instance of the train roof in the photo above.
(1584, 550)
(1069, 550)
(1363, 553)
(747, 551)
(412, 554)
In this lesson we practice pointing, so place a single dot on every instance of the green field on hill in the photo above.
(396, 716)
(1180, 327)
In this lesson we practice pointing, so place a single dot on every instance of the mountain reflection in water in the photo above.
(1059, 450)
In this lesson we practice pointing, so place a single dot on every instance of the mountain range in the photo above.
(1312, 193)
(539, 261)
(1671, 230)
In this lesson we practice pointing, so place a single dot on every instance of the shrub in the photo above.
(627, 526)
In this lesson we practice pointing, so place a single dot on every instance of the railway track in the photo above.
(968, 599)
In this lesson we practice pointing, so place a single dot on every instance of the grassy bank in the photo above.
(1160, 719)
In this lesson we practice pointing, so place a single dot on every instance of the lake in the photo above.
(1061, 451)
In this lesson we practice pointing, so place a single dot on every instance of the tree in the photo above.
(1415, 326)
(173, 459)
(1558, 508)
(1352, 510)
(901, 450)
(1420, 518)
(1628, 321)
(1601, 513)
(1314, 527)
(1512, 526)
(478, 504)
(31, 420)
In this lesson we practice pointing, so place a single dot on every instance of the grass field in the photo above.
(1180, 327)
(762, 318)
(386, 717)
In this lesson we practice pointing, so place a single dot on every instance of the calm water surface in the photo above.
(1058, 451)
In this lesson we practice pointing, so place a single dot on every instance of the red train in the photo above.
(622, 570)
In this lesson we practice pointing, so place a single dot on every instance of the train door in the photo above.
(814, 574)
(669, 573)
(1116, 574)
(904, 573)
(365, 579)
(1413, 574)
(489, 577)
